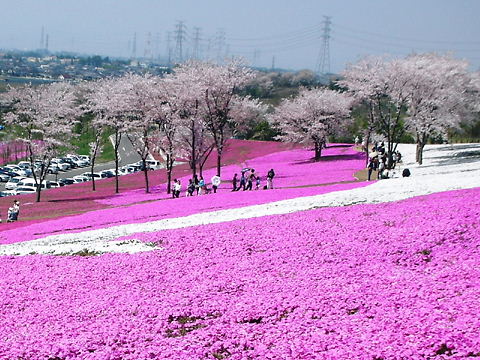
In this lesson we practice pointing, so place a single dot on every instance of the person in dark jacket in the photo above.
(234, 182)
(270, 176)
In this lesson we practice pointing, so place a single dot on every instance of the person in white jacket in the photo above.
(177, 187)
(215, 183)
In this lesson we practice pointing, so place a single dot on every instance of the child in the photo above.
(257, 183)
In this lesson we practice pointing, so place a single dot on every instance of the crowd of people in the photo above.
(247, 180)
(386, 166)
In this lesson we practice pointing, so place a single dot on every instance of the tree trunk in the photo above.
(42, 176)
(169, 174)
(419, 152)
(118, 138)
(367, 144)
(39, 190)
(116, 173)
(219, 162)
(193, 164)
(318, 150)
(91, 172)
(145, 172)
(421, 142)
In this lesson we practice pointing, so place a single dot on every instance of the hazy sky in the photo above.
(288, 31)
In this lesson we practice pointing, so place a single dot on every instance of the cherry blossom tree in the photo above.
(43, 118)
(108, 102)
(438, 96)
(384, 88)
(312, 116)
(187, 93)
(221, 84)
(164, 112)
(142, 132)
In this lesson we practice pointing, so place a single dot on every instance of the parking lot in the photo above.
(127, 153)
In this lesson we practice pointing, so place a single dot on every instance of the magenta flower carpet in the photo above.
(388, 281)
(397, 280)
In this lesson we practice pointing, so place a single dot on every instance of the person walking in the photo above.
(243, 182)
(381, 168)
(215, 183)
(177, 188)
(234, 182)
(270, 176)
(195, 182)
(201, 186)
(250, 182)
(372, 166)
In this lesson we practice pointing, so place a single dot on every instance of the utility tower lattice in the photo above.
(148, 47)
(180, 37)
(134, 46)
(196, 43)
(323, 64)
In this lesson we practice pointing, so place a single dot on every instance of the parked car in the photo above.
(12, 183)
(24, 165)
(71, 162)
(25, 190)
(154, 164)
(7, 193)
(85, 158)
(55, 184)
(8, 172)
(4, 177)
(31, 183)
(78, 161)
(81, 178)
(53, 169)
(61, 164)
(107, 173)
(67, 181)
(19, 170)
(95, 175)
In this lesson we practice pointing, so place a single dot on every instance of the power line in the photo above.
(356, 31)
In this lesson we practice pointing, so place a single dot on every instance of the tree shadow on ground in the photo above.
(81, 199)
(450, 148)
(327, 158)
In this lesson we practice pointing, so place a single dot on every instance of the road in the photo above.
(127, 153)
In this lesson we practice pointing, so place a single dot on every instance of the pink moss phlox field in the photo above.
(293, 168)
(162, 209)
(387, 281)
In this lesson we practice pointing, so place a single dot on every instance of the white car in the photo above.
(54, 184)
(19, 170)
(80, 178)
(154, 164)
(53, 169)
(12, 183)
(4, 177)
(24, 165)
(84, 158)
(62, 165)
(7, 193)
(78, 161)
(31, 183)
(25, 190)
